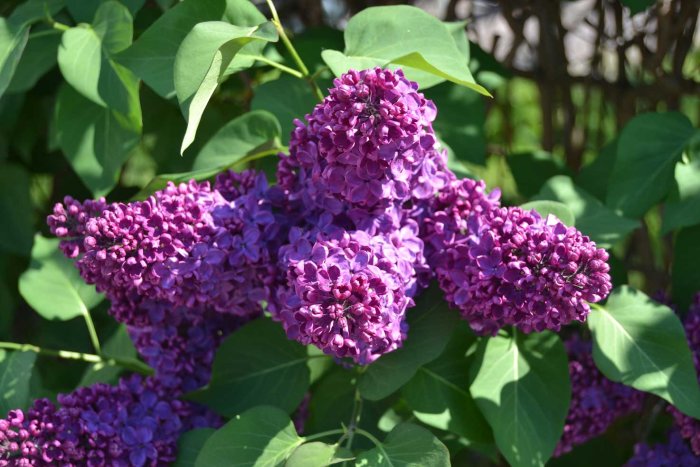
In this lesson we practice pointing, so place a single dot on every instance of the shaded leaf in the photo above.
(39, 57)
(13, 39)
(407, 445)
(190, 444)
(15, 204)
(532, 169)
(119, 345)
(685, 273)
(683, 210)
(15, 376)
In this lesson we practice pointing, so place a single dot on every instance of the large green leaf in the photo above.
(32, 11)
(407, 445)
(317, 454)
(682, 211)
(120, 346)
(532, 169)
(39, 57)
(190, 444)
(52, 285)
(685, 273)
(152, 57)
(431, 323)
(460, 121)
(287, 98)
(647, 152)
(522, 387)
(256, 365)
(593, 218)
(251, 133)
(83, 12)
(560, 210)
(15, 206)
(595, 177)
(406, 37)
(641, 343)
(13, 39)
(85, 58)
(95, 140)
(15, 376)
(261, 437)
(203, 61)
(439, 392)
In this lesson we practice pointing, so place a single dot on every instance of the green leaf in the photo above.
(287, 98)
(32, 11)
(460, 121)
(641, 343)
(204, 59)
(52, 285)
(603, 225)
(85, 58)
(522, 387)
(683, 211)
(595, 177)
(406, 37)
(190, 444)
(13, 39)
(685, 273)
(152, 57)
(407, 445)
(38, 58)
(261, 436)
(439, 392)
(95, 140)
(15, 376)
(251, 133)
(15, 204)
(314, 454)
(430, 323)
(256, 365)
(532, 169)
(119, 345)
(83, 11)
(647, 152)
(560, 210)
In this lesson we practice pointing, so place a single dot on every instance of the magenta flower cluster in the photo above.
(688, 427)
(596, 402)
(135, 423)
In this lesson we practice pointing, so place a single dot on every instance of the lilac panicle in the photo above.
(689, 427)
(368, 145)
(135, 423)
(508, 266)
(596, 402)
(675, 453)
(188, 245)
(347, 293)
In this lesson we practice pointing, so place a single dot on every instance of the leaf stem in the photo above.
(293, 52)
(354, 419)
(374, 440)
(92, 331)
(135, 366)
(52, 22)
(279, 66)
(323, 434)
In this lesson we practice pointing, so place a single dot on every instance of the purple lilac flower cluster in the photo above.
(135, 423)
(675, 453)
(508, 266)
(188, 245)
(689, 427)
(596, 402)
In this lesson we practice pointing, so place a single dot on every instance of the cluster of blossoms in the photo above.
(689, 427)
(135, 423)
(672, 454)
(596, 402)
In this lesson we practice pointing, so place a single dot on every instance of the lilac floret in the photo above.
(513, 267)
(369, 144)
(596, 402)
(347, 293)
(188, 245)
(674, 453)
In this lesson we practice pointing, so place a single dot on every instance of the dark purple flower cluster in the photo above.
(135, 423)
(689, 427)
(675, 453)
(596, 402)
(188, 245)
(507, 266)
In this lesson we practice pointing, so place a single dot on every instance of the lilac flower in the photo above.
(347, 292)
(689, 427)
(369, 144)
(508, 266)
(136, 423)
(673, 454)
(301, 414)
(596, 402)
(187, 245)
